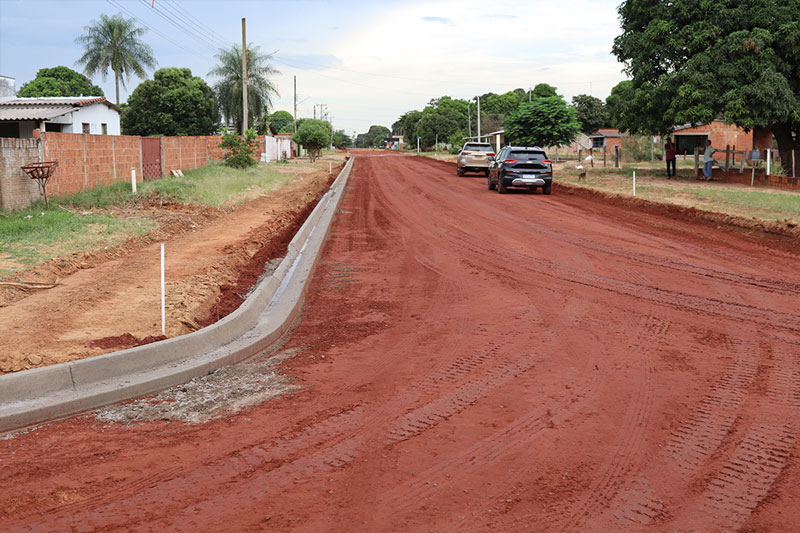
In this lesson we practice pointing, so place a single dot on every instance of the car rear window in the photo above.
(479, 147)
(526, 155)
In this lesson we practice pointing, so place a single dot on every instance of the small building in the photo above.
(688, 137)
(606, 138)
(393, 142)
(77, 114)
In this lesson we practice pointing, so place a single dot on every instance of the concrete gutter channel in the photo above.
(39, 395)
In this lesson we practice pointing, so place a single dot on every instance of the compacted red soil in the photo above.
(479, 362)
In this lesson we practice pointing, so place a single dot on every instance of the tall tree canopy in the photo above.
(544, 90)
(282, 121)
(115, 43)
(545, 121)
(618, 104)
(173, 103)
(260, 88)
(592, 113)
(693, 62)
(59, 81)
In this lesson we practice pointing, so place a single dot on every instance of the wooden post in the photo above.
(591, 154)
(616, 156)
(579, 156)
(604, 156)
(794, 175)
(727, 159)
(696, 160)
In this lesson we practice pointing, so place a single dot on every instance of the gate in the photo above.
(151, 158)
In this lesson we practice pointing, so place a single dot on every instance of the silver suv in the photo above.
(474, 157)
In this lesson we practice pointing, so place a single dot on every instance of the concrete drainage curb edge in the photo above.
(42, 394)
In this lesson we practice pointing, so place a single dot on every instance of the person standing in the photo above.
(669, 156)
(708, 160)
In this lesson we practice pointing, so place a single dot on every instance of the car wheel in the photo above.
(491, 185)
(501, 186)
(487, 172)
(547, 188)
(459, 171)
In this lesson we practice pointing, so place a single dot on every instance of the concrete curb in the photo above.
(43, 394)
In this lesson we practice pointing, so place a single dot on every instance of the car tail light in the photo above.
(510, 161)
(490, 154)
(466, 153)
(547, 161)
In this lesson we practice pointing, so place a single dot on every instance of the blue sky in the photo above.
(368, 62)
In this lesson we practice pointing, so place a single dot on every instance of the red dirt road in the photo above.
(477, 362)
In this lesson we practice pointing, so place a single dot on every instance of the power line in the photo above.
(118, 5)
(200, 24)
(198, 38)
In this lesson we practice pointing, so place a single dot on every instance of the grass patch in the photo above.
(731, 199)
(36, 235)
(216, 185)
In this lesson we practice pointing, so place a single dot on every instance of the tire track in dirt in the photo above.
(713, 306)
(689, 457)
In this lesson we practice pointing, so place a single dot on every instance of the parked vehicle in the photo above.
(474, 157)
(517, 166)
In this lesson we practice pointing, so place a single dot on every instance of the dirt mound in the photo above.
(763, 228)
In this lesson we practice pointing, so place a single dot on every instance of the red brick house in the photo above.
(687, 137)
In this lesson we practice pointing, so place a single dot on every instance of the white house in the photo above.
(74, 114)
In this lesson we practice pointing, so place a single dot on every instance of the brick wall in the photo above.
(722, 135)
(86, 161)
(17, 190)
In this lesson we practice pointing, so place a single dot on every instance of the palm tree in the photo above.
(113, 42)
(229, 87)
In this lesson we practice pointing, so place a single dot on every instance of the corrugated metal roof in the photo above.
(71, 101)
(34, 112)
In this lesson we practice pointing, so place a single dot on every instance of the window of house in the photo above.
(104, 126)
(9, 129)
(86, 128)
(598, 142)
(50, 126)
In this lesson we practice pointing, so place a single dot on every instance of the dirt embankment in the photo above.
(109, 300)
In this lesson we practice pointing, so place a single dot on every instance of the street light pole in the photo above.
(479, 119)
(244, 78)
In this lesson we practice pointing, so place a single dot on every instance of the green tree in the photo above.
(500, 104)
(260, 88)
(115, 43)
(618, 105)
(314, 135)
(592, 113)
(693, 62)
(406, 126)
(543, 90)
(545, 121)
(376, 134)
(341, 139)
(59, 81)
(239, 150)
(282, 121)
(173, 103)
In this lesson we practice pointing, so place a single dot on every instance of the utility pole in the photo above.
(295, 104)
(479, 119)
(244, 78)
(315, 111)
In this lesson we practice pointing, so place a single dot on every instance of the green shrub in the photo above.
(239, 150)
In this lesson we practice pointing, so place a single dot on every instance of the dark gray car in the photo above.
(519, 166)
